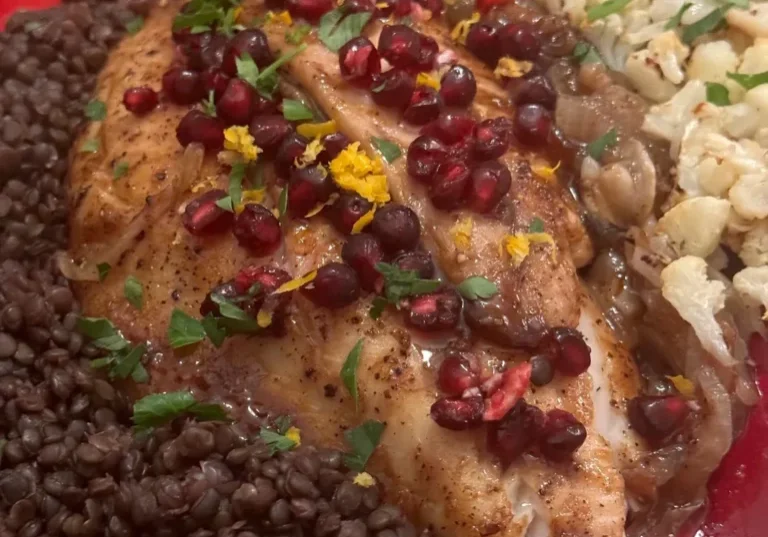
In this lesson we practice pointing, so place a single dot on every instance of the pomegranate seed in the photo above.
(568, 351)
(519, 41)
(656, 417)
(209, 307)
(311, 10)
(435, 311)
(458, 414)
(397, 227)
(202, 215)
(268, 277)
(400, 45)
(561, 435)
(216, 81)
(348, 210)
(199, 127)
(359, 61)
(514, 383)
(458, 86)
(434, 6)
(183, 86)
(257, 229)
(307, 188)
(457, 373)
(206, 52)
(235, 106)
(334, 144)
(423, 107)
(191, 48)
(484, 6)
(510, 437)
(428, 50)
(450, 127)
(251, 41)
(488, 183)
(263, 106)
(393, 88)
(483, 42)
(335, 286)
(358, 6)
(424, 156)
(293, 147)
(140, 100)
(420, 262)
(399, 8)
(362, 252)
(535, 90)
(542, 370)
(492, 138)
(532, 124)
(269, 132)
(449, 185)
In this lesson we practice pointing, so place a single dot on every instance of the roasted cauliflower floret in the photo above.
(694, 226)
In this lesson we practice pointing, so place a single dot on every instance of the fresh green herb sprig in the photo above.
(235, 193)
(96, 110)
(134, 292)
(596, 148)
(710, 23)
(120, 169)
(609, 7)
(205, 15)
(749, 81)
(296, 35)
(122, 360)
(717, 94)
(265, 81)
(363, 441)
(677, 19)
(294, 110)
(349, 371)
(157, 409)
(390, 151)
(585, 52)
(335, 29)
(399, 284)
(477, 287)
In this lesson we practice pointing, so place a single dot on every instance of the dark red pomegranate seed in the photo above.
(335, 286)
(362, 252)
(484, 6)
(488, 183)
(457, 373)
(269, 132)
(191, 48)
(419, 262)
(428, 50)
(262, 105)
(268, 277)
(434, 6)
(307, 188)
(359, 6)
(458, 414)
(532, 124)
(449, 185)
(458, 86)
(201, 128)
(450, 127)
(397, 227)
(656, 417)
(257, 229)
(235, 106)
(334, 144)
(423, 107)
(483, 42)
(535, 90)
(140, 100)
(202, 215)
(568, 351)
(183, 86)
(251, 41)
(359, 61)
(400, 45)
(216, 81)
(425, 154)
(510, 437)
(399, 8)
(293, 147)
(513, 384)
(561, 435)
(519, 41)
(311, 10)
(209, 307)
(492, 138)
(205, 52)
(393, 88)
(348, 210)
(434, 312)
(542, 370)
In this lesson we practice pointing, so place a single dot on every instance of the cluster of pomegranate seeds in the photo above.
(657, 417)
(519, 41)
(568, 352)
(140, 100)
(359, 61)
(291, 148)
(362, 252)
(393, 89)
(449, 184)
(335, 286)
(197, 126)
(505, 390)
(423, 106)
(512, 436)
(307, 188)
(202, 215)
(257, 230)
(424, 156)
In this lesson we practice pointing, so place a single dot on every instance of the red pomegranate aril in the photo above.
(423, 107)
(393, 88)
(428, 49)
(216, 81)
(535, 90)
(269, 132)
(209, 307)
(512, 386)
(434, 312)
(425, 154)
(458, 414)
(492, 139)
(457, 373)
(510, 437)
(542, 370)
(656, 417)
(519, 41)
(399, 8)
(333, 144)
(419, 262)
(484, 6)
(257, 229)
(397, 227)
(532, 124)
(450, 127)
(212, 53)
(268, 277)
(293, 147)
(199, 127)
(140, 100)
(202, 215)
(483, 42)
(251, 41)
(183, 86)
(359, 61)
(311, 10)
(307, 188)
(347, 210)
(335, 286)
(561, 435)
(488, 183)
(435, 7)
(449, 185)
(458, 86)
(362, 252)
(358, 6)
(400, 45)
(235, 106)
(568, 351)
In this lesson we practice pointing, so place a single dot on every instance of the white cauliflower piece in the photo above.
(752, 21)
(669, 120)
(758, 99)
(605, 34)
(697, 299)
(739, 120)
(752, 283)
(694, 226)
(749, 195)
(645, 33)
(647, 76)
(754, 249)
(669, 53)
(715, 177)
(711, 61)
(755, 58)
(663, 10)
(761, 137)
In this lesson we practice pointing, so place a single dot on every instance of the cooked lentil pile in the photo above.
(70, 464)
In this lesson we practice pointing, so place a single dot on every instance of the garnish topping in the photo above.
(96, 110)
(363, 441)
(675, 21)
(349, 371)
(313, 149)
(235, 197)
(427, 79)
(283, 438)
(399, 284)
(682, 385)
(461, 30)
(283, 17)
(184, 330)
(296, 283)
(91, 145)
(209, 104)
(202, 15)
(282, 203)
(596, 148)
(264, 81)
(476, 287)
(518, 246)
(544, 171)
(134, 292)
(134, 25)
(511, 68)
(710, 23)
(390, 151)
(585, 52)
(717, 94)
(238, 139)
(294, 110)
(159, 408)
(335, 32)
(297, 34)
(103, 269)
(353, 170)
(315, 130)
(610, 7)
(120, 169)
(749, 81)
(364, 479)
(536, 226)
(362, 222)
(123, 360)
(461, 232)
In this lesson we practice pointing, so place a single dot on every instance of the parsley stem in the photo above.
(285, 58)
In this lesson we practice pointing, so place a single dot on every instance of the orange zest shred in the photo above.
(518, 246)
(511, 68)
(427, 79)
(282, 17)
(264, 318)
(296, 283)
(683, 385)
(354, 170)
(461, 232)
(320, 206)
(363, 221)
(461, 30)
(316, 130)
(314, 148)
(294, 433)
(255, 195)
(544, 171)
(364, 479)
(238, 139)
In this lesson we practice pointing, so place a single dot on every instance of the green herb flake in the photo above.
(297, 34)
(294, 110)
(184, 330)
(675, 21)
(349, 371)
(363, 441)
(585, 52)
(744, 4)
(102, 332)
(610, 7)
(717, 94)
(713, 21)
(134, 25)
(537, 226)
(134, 292)
(120, 169)
(477, 287)
(378, 305)
(96, 110)
(157, 409)
(235, 187)
(91, 145)
(400, 284)
(389, 150)
(213, 330)
(282, 424)
(335, 32)
(198, 14)
(103, 269)
(209, 104)
(226, 204)
(282, 202)
(276, 441)
(264, 81)
(247, 69)
(596, 148)
(749, 81)
(124, 366)
(228, 309)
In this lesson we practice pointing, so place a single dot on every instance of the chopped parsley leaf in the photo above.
(675, 21)
(159, 408)
(709, 23)
(349, 371)
(103, 269)
(389, 150)
(134, 292)
(749, 81)
(297, 34)
(134, 25)
(91, 145)
(335, 32)
(609, 7)
(96, 110)
(585, 52)
(363, 441)
(476, 287)
(596, 148)
(717, 94)
(184, 330)
(120, 169)
(294, 110)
